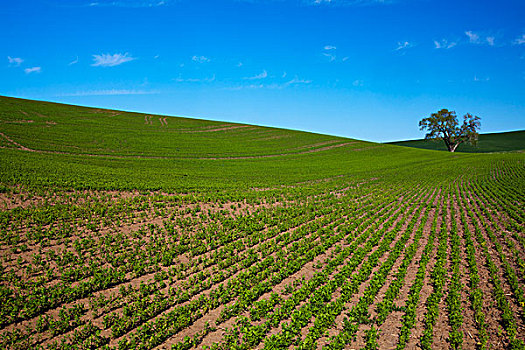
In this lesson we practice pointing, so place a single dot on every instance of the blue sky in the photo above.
(366, 69)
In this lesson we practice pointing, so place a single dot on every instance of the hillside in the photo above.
(491, 142)
(123, 230)
(47, 143)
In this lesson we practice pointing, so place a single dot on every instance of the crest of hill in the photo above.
(490, 142)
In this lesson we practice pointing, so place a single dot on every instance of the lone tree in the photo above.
(444, 125)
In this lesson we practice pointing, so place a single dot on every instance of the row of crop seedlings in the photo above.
(80, 245)
(500, 197)
(274, 282)
(386, 306)
(476, 296)
(511, 185)
(171, 275)
(491, 225)
(409, 317)
(241, 336)
(286, 264)
(438, 278)
(508, 317)
(133, 258)
(510, 273)
(151, 289)
(358, 314)
(322, 295)
(484, 201)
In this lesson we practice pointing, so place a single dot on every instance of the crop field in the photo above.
(129, 231)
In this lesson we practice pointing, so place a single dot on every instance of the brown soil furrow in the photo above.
(469, 326)
(336, 294)
(134, 282)
(306, 272)
(509, 293)
(207, 292)
(389, 330)
(493, 315)
(360, 340)
(442, 327)
(500, 231)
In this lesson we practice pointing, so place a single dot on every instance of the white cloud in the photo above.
(473, 37)
(156, 56)
(14, 61)
(401, 45)
(476, 78)
(519, 40)
(107, 60)
(480, 39)
(330, 47)
(200, 59)
(239, 64)
(75, 61)
(111, 92)
(262, 75)
(33, 70)
(357, 83)
(344, 59)
(444, 44)
(284, 75)
(195, 80)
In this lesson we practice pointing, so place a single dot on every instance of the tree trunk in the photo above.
(452, 148)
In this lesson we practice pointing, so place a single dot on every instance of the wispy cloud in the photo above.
(329, 51)
(14, 61)
(275, 86)
(476, 78)
(128, 3)
(33, 70)
(195, 80)
(519, 40)
(107, 60)
(331, 57)
(480, 39)
(111, 92)
(200, 59)
(262, 75)
(402, 45)
(346, 2)
(75, 61)
(444, 44)
(357, 83)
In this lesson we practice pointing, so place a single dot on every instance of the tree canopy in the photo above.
(444, 125)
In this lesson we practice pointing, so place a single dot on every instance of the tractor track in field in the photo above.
(115, 156)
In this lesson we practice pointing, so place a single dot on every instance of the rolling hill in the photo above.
(491, 142)
(123, 230)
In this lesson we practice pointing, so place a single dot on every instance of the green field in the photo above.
(492, 142)
(124, 230)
